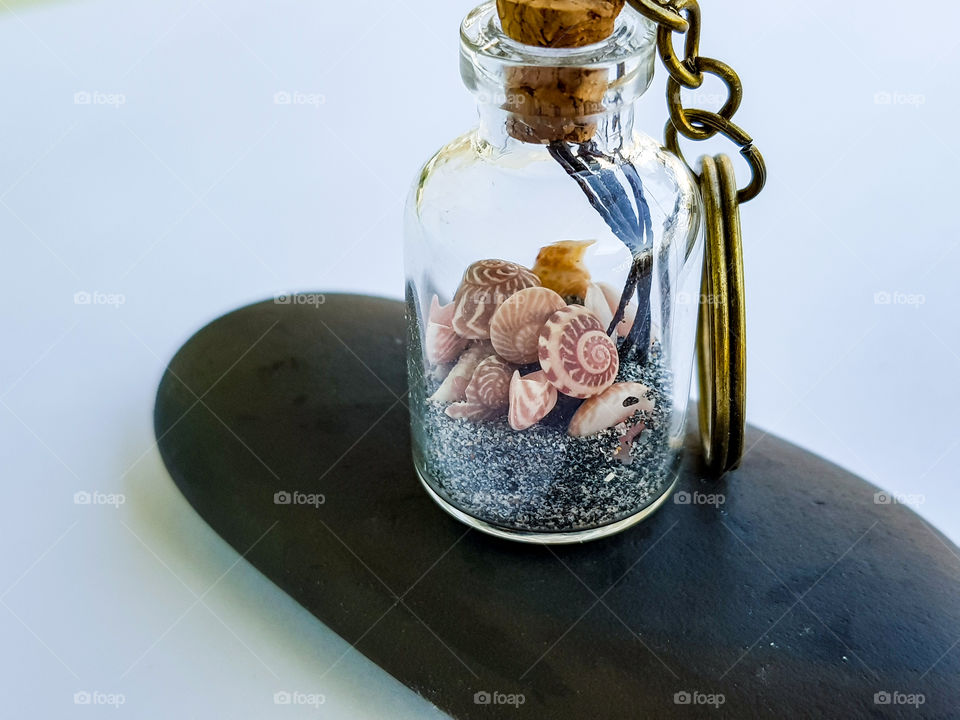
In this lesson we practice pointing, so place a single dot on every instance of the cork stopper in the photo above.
(554, 103)
(558, 23)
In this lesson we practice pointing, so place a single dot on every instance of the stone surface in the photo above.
(799, 596)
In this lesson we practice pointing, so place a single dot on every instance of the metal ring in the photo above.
(678, 114)
(730, 208)
(661, 14)
(713, 329)
(683, 71)
(726, 128)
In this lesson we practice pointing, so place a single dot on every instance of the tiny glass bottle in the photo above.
(551, 257)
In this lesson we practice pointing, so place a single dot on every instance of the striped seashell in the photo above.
(617, 404)
(485, 285)
(443, 345)
(560, 267)
(532, 397)
(454, 386)
(575, 353)
(487, 394)
(613, 300)
(515, 327)
(490, 384)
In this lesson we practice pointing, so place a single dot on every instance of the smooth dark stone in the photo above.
(798, 597)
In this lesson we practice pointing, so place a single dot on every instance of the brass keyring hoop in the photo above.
(748, 150)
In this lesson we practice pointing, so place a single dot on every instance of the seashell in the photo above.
(487, 394)
(623, 452)
(612, 296)
(485, 285)
(577, 356)
(596, 302)
(472, 412)
(454, 386)
(443, 345)
(560, 267)
(615, 405)
(532, 397)
(515, 327)
(490, 384)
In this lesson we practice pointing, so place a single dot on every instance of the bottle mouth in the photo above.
(483, 40)
(555, 94)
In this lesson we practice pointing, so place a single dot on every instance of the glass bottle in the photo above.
(552, 256)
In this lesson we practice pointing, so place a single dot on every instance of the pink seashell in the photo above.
(576, 355)
(490, 384)
(615, 405)
(612, 296)
(515, 327)
(596, 302)
(622, 453)
(532, 397)
(443, 345)
(485, 285)
(454, 386)
(487, 394)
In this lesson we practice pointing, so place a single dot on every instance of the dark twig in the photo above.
(634, 227)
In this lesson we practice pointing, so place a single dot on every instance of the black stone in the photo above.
(800, 596)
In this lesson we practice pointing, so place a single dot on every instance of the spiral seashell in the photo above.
(515, 327)
(454, 386)
(532, 397)
(560, 267)
(612, 296)
(617, 404)
(485, 285)
(576, 355)
(443, 345)
(488, 392)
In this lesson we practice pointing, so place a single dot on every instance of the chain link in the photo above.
(683, 16)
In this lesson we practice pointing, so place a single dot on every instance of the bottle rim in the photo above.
(482, 37)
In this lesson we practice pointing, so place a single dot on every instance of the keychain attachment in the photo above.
(721, 332)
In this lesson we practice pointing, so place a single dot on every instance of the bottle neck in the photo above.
(503, 130)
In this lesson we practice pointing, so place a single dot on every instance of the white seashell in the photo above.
(443, 345)
(612, 296)
(596, 302)
(485, 285)
(532, 397)
(454, 386)
(515, 327)
(615, 405)
(474, 412)
(577, 356)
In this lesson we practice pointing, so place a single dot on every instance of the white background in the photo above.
(198, 194)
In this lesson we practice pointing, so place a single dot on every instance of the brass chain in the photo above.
(683, 16)
(721, 337)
